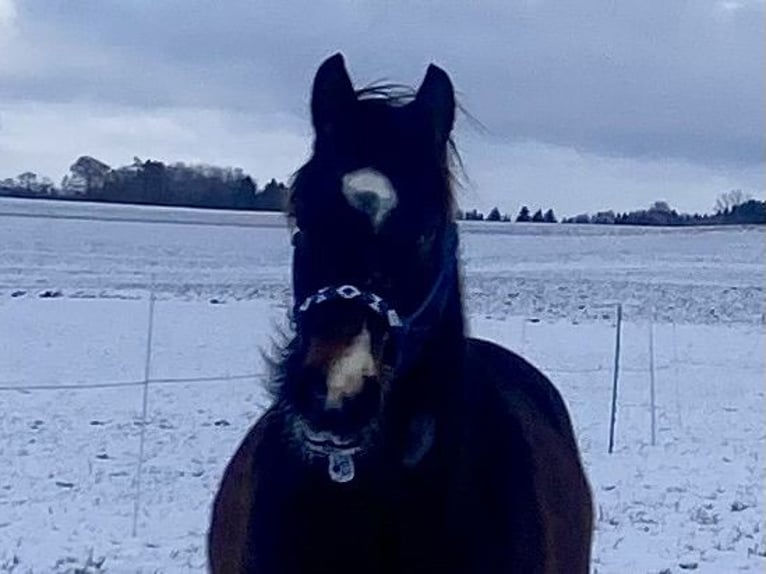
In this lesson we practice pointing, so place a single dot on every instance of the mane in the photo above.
(394, 96)
(275, 358)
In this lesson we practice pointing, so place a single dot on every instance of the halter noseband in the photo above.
(410, 332)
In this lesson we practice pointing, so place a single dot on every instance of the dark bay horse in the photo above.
(395, 444)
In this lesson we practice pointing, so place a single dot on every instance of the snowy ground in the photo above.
(74, 301)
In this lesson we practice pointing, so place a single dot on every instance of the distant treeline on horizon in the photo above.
(153, 183)
(732, 208)
(199, 185)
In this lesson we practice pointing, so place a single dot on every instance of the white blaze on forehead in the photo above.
(345, 377)
(370, 192)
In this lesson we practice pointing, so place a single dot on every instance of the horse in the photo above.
(395, 442)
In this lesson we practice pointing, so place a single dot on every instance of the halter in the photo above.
(409, 333)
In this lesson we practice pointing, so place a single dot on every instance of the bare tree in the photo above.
(91, 171)
(27, 180)
(730, 199)
(46, 186)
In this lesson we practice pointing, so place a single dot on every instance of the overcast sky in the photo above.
(585, 105)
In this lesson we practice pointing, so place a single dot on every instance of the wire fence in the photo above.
(616, 369)
(24, 388)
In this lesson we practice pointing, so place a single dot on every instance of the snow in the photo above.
(692, 502)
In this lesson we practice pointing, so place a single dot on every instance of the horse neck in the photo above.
(430, 393)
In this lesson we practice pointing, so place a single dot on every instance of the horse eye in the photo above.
(377, 281)
(297, 238)
(425, 241)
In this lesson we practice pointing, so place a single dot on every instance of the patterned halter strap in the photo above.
(409, 332)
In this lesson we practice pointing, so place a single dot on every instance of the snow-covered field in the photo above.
(74, 310)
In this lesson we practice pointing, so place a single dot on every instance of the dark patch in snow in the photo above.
(49, 294)
(738, 506)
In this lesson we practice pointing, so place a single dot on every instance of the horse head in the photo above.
(374, 261)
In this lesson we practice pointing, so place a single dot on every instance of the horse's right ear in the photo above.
(331, 97)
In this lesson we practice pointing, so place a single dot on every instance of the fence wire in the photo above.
(21, 387)
(147, 381)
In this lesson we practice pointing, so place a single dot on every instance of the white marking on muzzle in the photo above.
(370, 192)
(346, 375)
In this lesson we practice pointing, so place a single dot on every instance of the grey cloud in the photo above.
(648, 79)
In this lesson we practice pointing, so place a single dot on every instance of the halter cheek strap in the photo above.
(411, 332)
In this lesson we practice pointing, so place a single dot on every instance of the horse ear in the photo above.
(437, 97)
(331, 96)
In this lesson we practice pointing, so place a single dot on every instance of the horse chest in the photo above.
(342, 529)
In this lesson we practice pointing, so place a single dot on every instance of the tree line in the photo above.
(201, 185)
(153, 182)
(496, 215)
(731, 208)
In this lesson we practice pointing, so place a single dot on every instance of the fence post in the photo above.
(675, 378)
(523, 342)
(613, 415)
(651, 379)
(144, 408)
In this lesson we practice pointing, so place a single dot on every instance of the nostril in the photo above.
(363, 406)
(310, 391)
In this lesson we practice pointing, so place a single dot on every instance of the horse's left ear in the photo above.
(437, 97)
